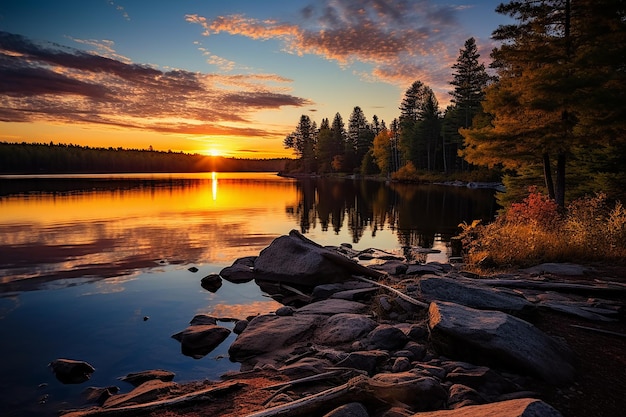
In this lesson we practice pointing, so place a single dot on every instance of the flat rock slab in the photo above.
(523, 407)
(470, 295)
(333, 306)
(557, 269)
(146, 392)
(496, 338)
(138, 378)
(270, 333)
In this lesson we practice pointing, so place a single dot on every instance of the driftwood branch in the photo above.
(136, 409)
(396, 292)
(353, 390)
(352, 266)
(602, 331)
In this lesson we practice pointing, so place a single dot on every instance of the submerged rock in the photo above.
(70, 371)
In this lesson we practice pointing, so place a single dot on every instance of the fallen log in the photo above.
(396, 292)
(137, 409)
(553, 286)
(602, 331)
(353, 390)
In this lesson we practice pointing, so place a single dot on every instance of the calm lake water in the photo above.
(84, 258)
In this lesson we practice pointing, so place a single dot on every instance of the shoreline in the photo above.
(270, 365)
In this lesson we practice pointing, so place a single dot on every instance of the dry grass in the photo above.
(534, 231)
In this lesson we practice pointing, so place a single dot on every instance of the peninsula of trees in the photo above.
(553, 112)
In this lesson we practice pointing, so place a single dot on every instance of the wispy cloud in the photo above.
(401, 40)
(120, 9)
(48, 82)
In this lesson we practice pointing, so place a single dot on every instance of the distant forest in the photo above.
(51, 158)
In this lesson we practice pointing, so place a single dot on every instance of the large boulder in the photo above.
(470, 295)
(271, 333)
(496, 338)
(523, 407)
(297, 260)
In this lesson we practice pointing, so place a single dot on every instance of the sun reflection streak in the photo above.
(214, 185)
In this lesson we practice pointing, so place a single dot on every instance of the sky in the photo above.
(227, 78)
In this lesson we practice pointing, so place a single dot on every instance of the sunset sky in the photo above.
(220, 77)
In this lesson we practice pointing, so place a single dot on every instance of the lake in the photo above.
(96, 267)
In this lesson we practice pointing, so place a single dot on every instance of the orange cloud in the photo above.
(51, 83)
(403, 41)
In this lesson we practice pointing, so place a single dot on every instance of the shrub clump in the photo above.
(536, 231)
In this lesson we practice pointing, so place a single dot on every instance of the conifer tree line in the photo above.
(553, 113)
(422, 136)
(34, 158)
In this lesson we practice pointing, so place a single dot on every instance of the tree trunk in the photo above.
(547, 175)
(560, 180)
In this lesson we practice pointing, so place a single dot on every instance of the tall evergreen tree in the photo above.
(325, 150)
(419, 114)
(339, 140)
(359, 134)
(544, 93)
(469, 80)
(303, 142)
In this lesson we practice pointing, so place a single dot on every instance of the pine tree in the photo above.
(469, 81)
(303, 142)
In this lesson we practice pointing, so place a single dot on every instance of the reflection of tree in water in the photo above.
(416, 212)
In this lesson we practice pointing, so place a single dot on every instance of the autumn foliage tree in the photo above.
(546, 102)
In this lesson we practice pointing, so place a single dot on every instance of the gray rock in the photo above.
(332, 306)
(138, 378)
(355, 295)
(496, 338)
(99, 395)
(202, 319)
(417, 332)
(525, 407)
(386, 337)
(349, 410)
(305, 367)
(392, 267)
(269, 333)
(462, 395)
(197, 341)
(367, 361)
(422, 393)
(296, 260)
(70, 371)
(211, 282)
(418, 350)
(285, 311)
(240, 326)
(242, 270)
(421, 269)
(324, 291)
(344, 328)
(556, 269)
(401, 364)
(146, 392)
(470, 295)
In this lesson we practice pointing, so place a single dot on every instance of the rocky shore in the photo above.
(382, 337)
